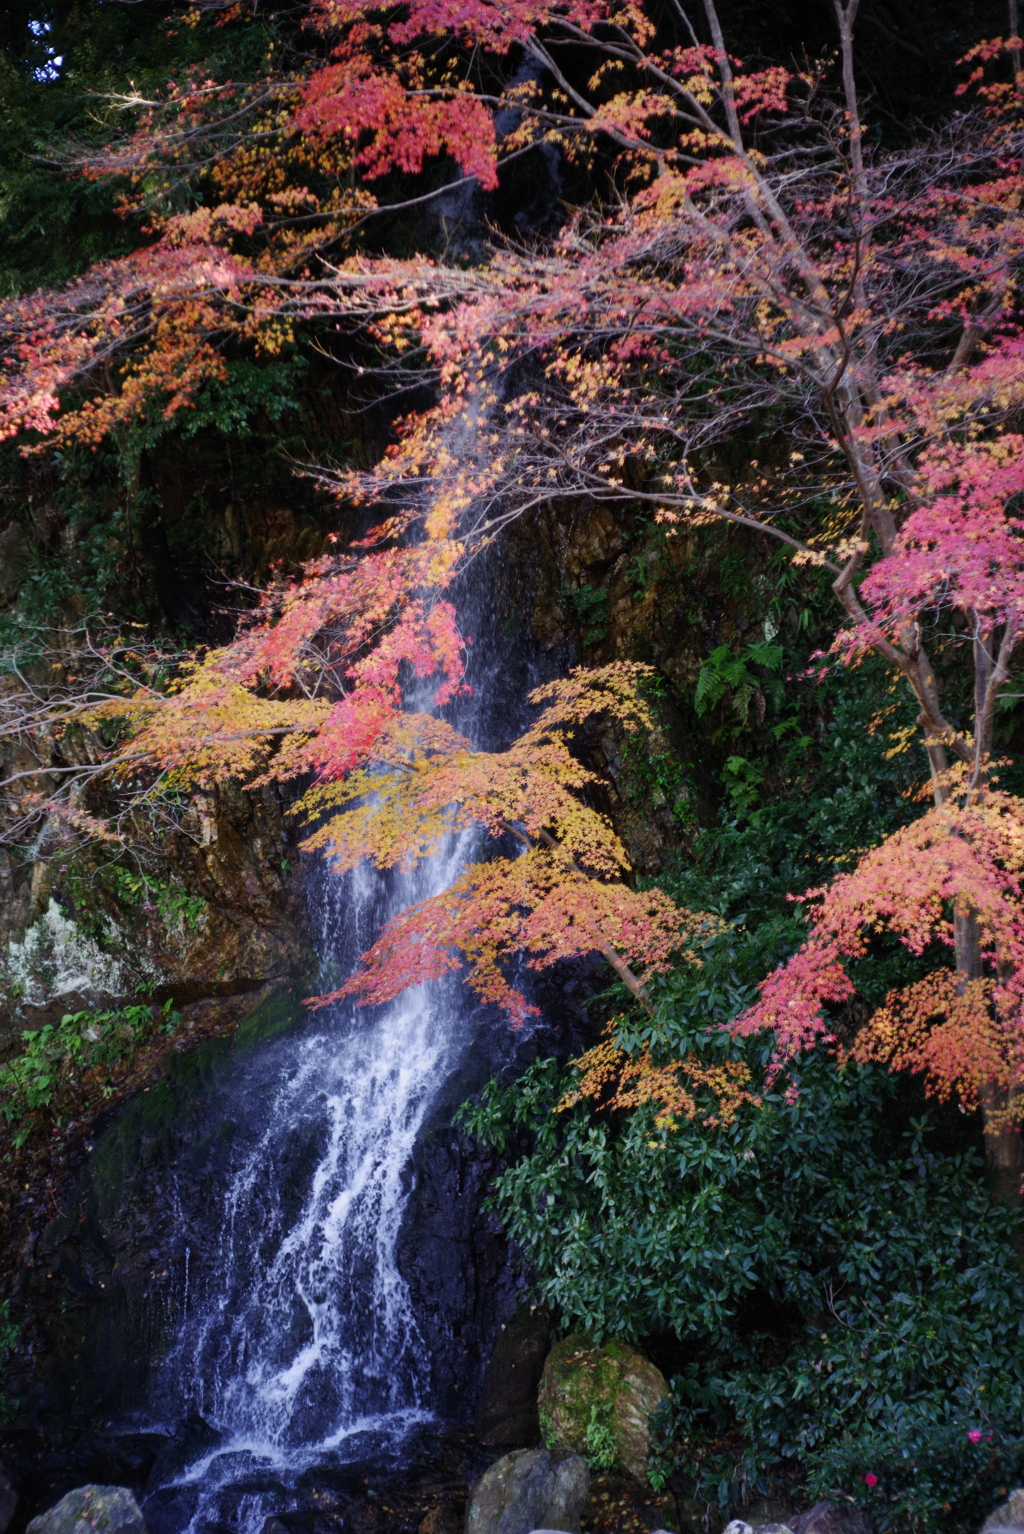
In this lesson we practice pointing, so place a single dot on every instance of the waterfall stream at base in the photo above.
(306, 1348)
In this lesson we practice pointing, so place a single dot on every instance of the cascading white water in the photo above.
(299, 1348)
(305, 1347)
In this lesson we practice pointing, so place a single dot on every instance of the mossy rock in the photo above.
(108, 1274)
(598, 1401)
(107, 1509)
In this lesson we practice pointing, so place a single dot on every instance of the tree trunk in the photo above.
(1004, 1152)
(1004, 1146)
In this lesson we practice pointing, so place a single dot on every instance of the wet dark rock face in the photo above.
(455, 1260)
(221, 911)
(44, 1464)
(468, 1287)
(507, 1411)
(465, 1281)
(8, 1500)
(427, 1494)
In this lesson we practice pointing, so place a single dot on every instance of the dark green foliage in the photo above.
(929, 1473)
(80, 1042)
(249, 396)
(55, 223)
(145, 528)
(825, 788)
(747, 680)
(8, 1339)
(845, 1294)
(173, 901)
(151, 528)
(590, 605)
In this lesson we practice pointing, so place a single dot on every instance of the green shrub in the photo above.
(80, 1042)
(928, 1473)
(846, 1293)
(840, 1297)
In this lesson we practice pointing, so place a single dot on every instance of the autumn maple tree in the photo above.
(754, 258)
(760, 260)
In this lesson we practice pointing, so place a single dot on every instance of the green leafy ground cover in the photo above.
(85, 1044)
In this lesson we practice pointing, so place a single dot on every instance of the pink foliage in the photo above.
(397, 130)
(963, 545)
(964, 1036)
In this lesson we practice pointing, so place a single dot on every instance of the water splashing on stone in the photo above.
(307, 1346)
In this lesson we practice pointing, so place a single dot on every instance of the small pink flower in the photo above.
(974, 1434)
(870, 1479)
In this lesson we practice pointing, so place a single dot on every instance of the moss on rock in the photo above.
(598, 1401)
(99, 1287)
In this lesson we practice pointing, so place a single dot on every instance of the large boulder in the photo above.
(1008, 1517)
(529, 1489)
(598, 1401)
(105, 1509)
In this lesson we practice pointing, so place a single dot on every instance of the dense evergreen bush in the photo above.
(843, 1287)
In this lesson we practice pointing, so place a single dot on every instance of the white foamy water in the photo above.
(304, 1346)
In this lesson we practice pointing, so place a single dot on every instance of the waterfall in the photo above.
(302, 1347)
(306, 1347)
